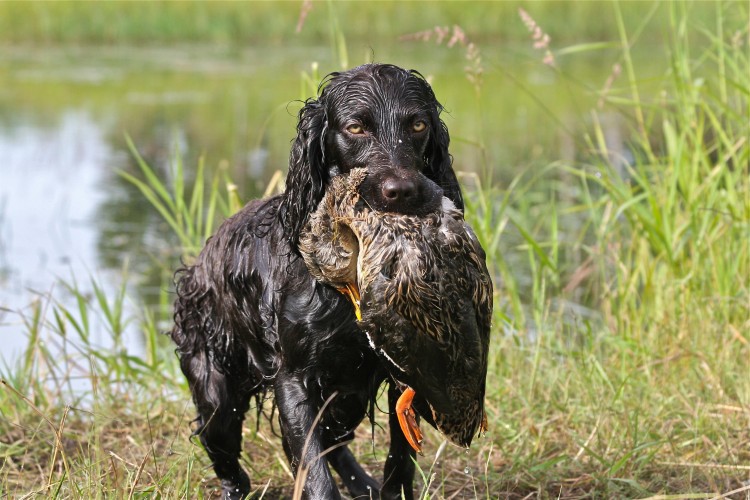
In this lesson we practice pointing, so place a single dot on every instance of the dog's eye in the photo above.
(355, 129)
(419, 126)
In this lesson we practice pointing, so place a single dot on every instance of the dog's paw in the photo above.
(235, 490)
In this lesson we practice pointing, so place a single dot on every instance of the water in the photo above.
(65, 213)
(51, 191)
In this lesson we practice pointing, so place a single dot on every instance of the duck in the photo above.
(422, 294)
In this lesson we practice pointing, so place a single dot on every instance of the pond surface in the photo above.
(65, 213)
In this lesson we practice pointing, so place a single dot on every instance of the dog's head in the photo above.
(379, 117)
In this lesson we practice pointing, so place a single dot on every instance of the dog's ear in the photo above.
(307, 177)
(438, 161)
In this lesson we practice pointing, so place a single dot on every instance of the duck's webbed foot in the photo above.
(408, 420)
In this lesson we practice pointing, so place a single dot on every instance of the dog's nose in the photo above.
(401, 191)
(398, 190)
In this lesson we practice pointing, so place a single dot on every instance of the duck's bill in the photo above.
(352, 292)
(408, 420)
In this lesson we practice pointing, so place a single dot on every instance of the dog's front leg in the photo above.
(302, 437)
(398, 476)
(357, 481)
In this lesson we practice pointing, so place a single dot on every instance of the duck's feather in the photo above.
(426, 296)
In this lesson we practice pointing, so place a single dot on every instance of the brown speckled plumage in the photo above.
(426, 297)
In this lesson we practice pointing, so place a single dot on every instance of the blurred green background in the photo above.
(273, 23)
(224, 80)
(603, 148)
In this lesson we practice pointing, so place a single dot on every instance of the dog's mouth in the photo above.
(401, 191)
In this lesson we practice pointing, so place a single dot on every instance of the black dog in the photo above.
(249, 318)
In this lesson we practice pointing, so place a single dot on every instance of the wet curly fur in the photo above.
(250, 320)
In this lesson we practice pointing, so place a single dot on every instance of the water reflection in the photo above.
(66, 213)
(51, 195)
(51, 192)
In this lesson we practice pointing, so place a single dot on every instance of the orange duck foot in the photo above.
(408, 420)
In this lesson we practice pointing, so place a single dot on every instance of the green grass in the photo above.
(620, 356)
(274, 23)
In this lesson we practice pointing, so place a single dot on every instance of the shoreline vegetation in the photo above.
(620, 352)
(270, 23)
